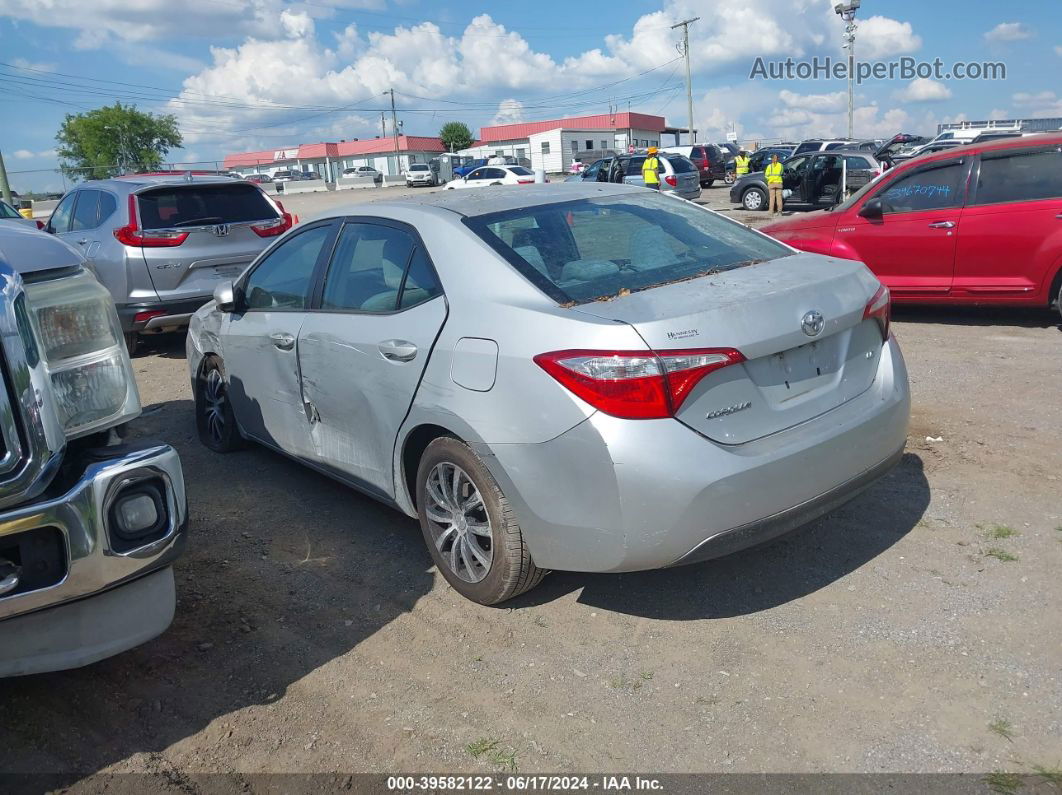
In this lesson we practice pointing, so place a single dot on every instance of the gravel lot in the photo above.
(312, 633)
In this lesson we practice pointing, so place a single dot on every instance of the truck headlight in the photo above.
(81, 344)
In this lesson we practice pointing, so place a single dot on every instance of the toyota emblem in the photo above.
(813, 323)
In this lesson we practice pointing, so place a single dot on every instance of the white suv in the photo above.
(419, 174)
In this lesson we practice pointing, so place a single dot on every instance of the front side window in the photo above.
(796, 164)
(283, 280)
(60, 220)
(928, 189)
(592, 248)
(1020, 176)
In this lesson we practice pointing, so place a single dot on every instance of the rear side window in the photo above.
(520, 171)
(1020, 176)
(366, 271)
(108, 204)
(928, 189)
(697, 153)
(681, 165)
(86, 211)
(580, 251)
(202, 205)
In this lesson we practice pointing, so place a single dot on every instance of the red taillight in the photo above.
(671, 180)
(525, 182)
(879, 307)
(132, 235)
(635, 385)
(277, 226)
(144, 317)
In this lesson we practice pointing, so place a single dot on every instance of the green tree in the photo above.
(113, 139)
(455, 136)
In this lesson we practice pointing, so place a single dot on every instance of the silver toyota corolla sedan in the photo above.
(590, 377)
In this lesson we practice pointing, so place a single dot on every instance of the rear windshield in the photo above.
(681, 165)
(592, 249)
(520, 171)
(197, 205)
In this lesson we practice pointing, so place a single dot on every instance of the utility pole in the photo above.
(5, 189)
(685, 25)
(847, 12)
(394, 132)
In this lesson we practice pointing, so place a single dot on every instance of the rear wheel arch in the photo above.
(1054, 295)
(416, 442)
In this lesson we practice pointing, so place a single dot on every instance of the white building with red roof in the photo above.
(330, 159)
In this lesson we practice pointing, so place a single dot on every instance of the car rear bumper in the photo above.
(175, 314)
(621, 495)
(84, 605)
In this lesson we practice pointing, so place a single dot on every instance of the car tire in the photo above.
(500, 566)
(729, 178)
(708, 183)
(214, 420)
(132, 340)
(754, 199)
(1058, 297)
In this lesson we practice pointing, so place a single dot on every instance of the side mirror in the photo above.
(873, 210)
(225, 296)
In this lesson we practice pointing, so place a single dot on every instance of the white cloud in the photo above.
(23, 154)
(510, 111)
(880, 37)
(1008, 31)
(997, 114)
(1058, 50)
(34, 66)
(924, 89)
(819, 103)
(1043, 103)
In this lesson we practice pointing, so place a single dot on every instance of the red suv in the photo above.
(978, 224)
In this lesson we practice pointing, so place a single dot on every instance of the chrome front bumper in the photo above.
(93, 564)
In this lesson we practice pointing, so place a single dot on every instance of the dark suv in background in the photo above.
(709, 159)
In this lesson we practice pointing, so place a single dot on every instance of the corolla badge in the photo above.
(813, 323)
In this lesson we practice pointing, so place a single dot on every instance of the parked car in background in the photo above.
(924, 149)
(758, 161)
(259, 179)
(311, 175)
(829, 145)
(419, 174)
(730, 148)
(10, 214)
(161, 243)
(286, 175)
(493, 175)
(978, 224)
(471, 165)
(708, 158)
(814, 180)
(366, 172)
(897, 148)
(89, 524)
(679, 176)
(589, 377)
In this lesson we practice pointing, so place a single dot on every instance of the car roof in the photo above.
(1001, 144)
(135, 182)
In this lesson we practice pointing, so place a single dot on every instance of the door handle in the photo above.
(942, 225)
(397, 350)
(284, 342)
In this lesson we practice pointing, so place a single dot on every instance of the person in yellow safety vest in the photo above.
(651, 170)
(773, 173)
(741, 163)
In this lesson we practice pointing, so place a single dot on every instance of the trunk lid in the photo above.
(788, 377)
(220, 243)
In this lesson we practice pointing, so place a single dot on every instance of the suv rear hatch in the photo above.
(787, 376)
(192, 236)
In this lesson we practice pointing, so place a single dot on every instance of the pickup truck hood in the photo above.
(27, 250)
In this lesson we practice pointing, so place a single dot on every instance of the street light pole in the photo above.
(394, 132)
(847, 12)
(5, 189)
(685, 25)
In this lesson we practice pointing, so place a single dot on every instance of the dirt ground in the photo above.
(916, 629)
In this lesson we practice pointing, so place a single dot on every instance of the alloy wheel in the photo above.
(459, 523)
(753, 200)
(214, 406)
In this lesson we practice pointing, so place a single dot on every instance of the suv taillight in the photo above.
(635, 385)
(132, 235)
(671, 180)
(880, 308)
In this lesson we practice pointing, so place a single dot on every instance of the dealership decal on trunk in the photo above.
(711, 415)
(682, 335)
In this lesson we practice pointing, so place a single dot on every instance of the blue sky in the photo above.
(265, 74)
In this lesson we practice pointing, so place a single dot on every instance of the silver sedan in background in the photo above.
(590, 377)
